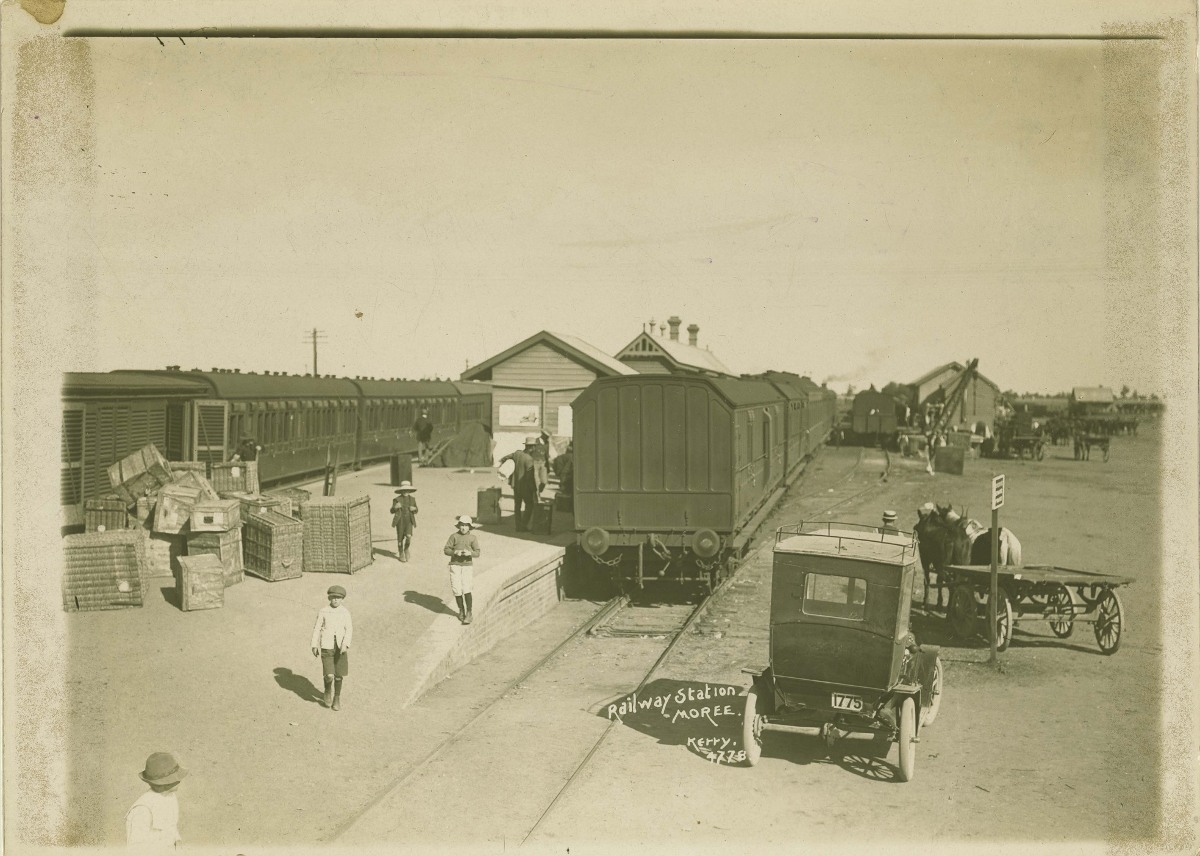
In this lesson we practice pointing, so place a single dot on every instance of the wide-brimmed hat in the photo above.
(889, 517)
(464, 520)
(162, 769)
(405, 487)
(532, 440)
(337, 591)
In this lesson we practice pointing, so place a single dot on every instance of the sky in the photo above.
(859, 211)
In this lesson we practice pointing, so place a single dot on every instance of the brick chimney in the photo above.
(693, 333)
(674, 321)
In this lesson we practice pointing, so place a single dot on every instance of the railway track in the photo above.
(549, 697)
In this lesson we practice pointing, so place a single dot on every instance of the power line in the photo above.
(314, 337)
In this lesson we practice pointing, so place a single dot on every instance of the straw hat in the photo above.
(162, 769)
(532, 440)
(464, 520)
(337, 591)
(405, 487)
(889, 517)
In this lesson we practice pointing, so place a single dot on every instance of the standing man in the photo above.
(152, 823)
(404, 518)
(423, 429)
(525, 483)
(462, 548)
(247, 450)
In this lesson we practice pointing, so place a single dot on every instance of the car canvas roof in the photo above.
(847, 543)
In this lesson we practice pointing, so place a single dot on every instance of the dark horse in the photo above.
(935, 540)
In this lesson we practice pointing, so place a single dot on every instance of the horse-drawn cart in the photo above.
(1059, 596)
(1034, 444)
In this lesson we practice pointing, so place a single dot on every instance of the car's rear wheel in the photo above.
(752, 728)
(935, 693)
(908, 732)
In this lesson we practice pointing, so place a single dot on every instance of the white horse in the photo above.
(973, 543)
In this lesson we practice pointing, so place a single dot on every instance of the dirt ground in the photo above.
(1062, 744)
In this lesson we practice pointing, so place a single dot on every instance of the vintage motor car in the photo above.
(842, 658)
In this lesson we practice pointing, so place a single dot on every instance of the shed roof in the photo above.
(958, 369)
(1093, 394)
(681, 354)
(569, 346)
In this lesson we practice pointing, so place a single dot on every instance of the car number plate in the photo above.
(841, 701)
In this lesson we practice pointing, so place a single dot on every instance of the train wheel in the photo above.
(908, 733)
(1110, 621)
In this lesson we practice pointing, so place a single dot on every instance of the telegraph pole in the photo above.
(315, 336)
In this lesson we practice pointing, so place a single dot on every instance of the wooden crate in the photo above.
(105, 513)
(174, 507)
(261, 502)
(196, 479)
(235, 476)
(102, 570)
(226, 546)
(297, 495)
(138, 474)
(202, 582)
(337, 534)
(218, 515)
(273, 545)
(177, 467)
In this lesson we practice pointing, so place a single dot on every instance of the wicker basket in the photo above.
(297, 495)
(219, 515)
(273, 545)
(103, 570)
(202, 583)
(337, 534)
(174, 507)
(196, 479)
(177, 467)
(261, 502)
(105, 513)
(226, 546)
(235, 476)
(139, 474)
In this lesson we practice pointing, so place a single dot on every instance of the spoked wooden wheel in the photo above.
(1040, 451)
(1060, 600)
(752, 728)
(929, 714)
(1106, 453)
(1004, 621)
(1110, 621)
(961, 611)
(908, 731)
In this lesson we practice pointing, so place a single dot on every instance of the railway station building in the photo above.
(650, 354)
(1090, 400)
(534, 382)
(978, 407)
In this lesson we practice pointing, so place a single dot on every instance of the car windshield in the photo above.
(835, 596)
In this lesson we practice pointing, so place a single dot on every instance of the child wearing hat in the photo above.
(404, 518)
(331, 642)
(152, 823)
(462, 548)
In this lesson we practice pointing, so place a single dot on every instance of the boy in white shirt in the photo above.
(331, 642)
(152, 823)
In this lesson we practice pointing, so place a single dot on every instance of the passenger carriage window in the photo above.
(834, 596)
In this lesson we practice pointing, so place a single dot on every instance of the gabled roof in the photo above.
(958, 369)
(569, 346)
(1095, 394)
(679, 353)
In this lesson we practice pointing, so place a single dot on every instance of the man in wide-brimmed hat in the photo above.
(331, 642)
(152, 823)
(404, 518)
(527, 481)
(462, 548)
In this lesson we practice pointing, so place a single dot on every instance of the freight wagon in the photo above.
(674, 473)
(300, 420)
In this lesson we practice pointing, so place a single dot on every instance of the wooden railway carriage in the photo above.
(389, 408)
(671, 471)
(842, 657)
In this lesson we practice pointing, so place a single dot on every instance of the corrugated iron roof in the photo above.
(570, 346)
(682, 354)
(595, 353)
(1093, 394)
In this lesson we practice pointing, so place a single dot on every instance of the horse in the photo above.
(972, 544)
(934, 542)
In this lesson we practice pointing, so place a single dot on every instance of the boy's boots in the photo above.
(328, 690)
(462, 612)
(467, 598)
(337, 694)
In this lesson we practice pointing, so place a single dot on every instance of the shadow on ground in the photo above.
(430, 602)
(298, 684)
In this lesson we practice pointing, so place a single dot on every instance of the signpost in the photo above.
(994, 594)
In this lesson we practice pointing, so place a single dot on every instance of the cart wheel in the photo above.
(908, 731)
(1110, 621)
(1041, 451)
(752, 728)
(935, 695)
(1106, 453)
(1061, 600)
(961, 611)
(1004, 621)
